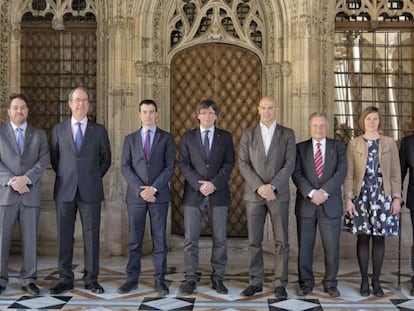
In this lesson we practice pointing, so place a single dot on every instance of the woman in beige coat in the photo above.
(372, 195)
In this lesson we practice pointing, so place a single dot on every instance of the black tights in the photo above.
(378, 249)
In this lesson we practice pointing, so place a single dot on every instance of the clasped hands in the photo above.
(266, 192)
(206, 187)
(20, 184)
(148, 194)
(319, 197)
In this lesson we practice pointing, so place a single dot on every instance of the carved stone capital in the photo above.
(153, 70)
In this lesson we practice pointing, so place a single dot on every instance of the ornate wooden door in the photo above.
(231, 76)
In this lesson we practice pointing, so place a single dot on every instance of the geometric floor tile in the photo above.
(159, 303)
(40, 302)
(294, 305)
(403, 304)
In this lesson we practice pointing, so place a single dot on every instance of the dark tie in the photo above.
(20, 139)
(206, 143)
(78, 137)
(318, 160)
(147, 144)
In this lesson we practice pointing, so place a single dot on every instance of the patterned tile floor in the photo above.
(145, 298)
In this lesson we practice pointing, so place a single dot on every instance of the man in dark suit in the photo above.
(319, 174)
(80, 156)
(407, 166)
(147, 165)
(266, 161)
(24, 156)
(206, 160)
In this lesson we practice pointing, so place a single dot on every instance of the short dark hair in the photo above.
(148, 102)
(207, 103)
(19, 96)
(367, 111)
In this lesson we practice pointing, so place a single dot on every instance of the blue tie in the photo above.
(206, 143)
(20, 139)
(78, 137)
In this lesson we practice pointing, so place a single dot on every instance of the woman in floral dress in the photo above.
(372, 195)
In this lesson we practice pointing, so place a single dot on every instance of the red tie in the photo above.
(147, 144)
(318, 160)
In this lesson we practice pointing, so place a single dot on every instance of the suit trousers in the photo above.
(158, 220)
(330, 232)
(279, 215)
(412, 247)
(217, 219)
(90, 215)
(28, 218)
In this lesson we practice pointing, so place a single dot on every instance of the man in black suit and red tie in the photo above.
(407, 166)
(147, 165)
(319, 174)
(80, 156)
(206, 160)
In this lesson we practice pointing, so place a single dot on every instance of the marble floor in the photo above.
(145, 298)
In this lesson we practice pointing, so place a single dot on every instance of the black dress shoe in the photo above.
(94, 287)
(161, 287)
(31, 289)
(364, 290)
(127, 287)
(2, 289)
(377, 290)
(251, 290)
(60, 288)
(189, 287)
(219, 286)
(333, 292)
(411, 291)
(304, 290)
(280, 292)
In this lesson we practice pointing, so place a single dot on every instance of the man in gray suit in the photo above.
(147, 165)
(206, 160)
(266, 161)
(319, 174)
(24, 156)
(80, 156)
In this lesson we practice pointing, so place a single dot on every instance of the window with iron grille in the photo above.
(55, 61)
(374, 66)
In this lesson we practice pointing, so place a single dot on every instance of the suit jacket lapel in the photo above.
(259, 139)
(12, 138)
(27, 137)
(216, 141)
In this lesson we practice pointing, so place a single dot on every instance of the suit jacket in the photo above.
(333, 176)
(275, 168)
(31, 163)
(357, 155)
(80, 172)
(216, 168)
(156, 171)
(407, 165)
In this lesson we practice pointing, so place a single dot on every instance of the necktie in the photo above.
(78, 137)
(318, 160)
(206, 143)
(20, 139)
(147, 144)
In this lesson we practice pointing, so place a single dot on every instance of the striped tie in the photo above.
(318, 160)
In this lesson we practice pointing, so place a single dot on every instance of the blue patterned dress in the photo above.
(372, 209)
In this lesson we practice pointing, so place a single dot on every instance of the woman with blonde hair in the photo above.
(372, 191)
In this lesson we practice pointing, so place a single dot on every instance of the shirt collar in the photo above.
(23, 126)
(84, 121)
(322, 142)
(264, 127)
(211, 129)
